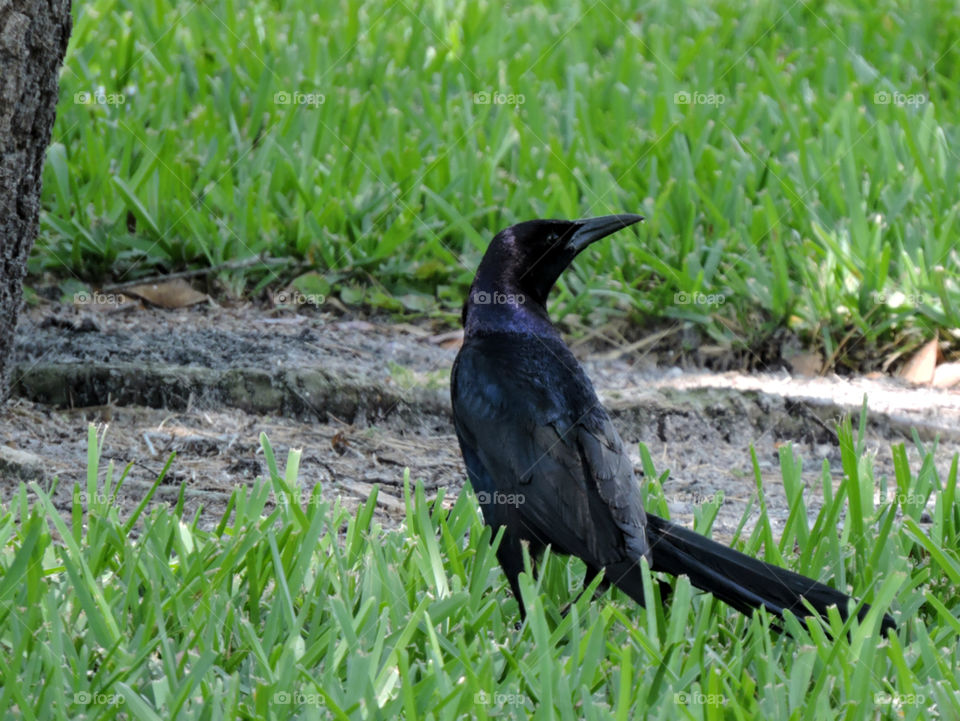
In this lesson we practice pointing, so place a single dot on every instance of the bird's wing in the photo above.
(559, 473)
(605, 460)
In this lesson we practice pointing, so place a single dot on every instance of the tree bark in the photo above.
(33, 40)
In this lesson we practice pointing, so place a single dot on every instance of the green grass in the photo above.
(307, 611)
(811, 181)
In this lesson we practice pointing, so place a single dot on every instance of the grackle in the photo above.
(544, 458)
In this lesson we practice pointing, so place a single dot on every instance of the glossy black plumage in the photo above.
(544, 457)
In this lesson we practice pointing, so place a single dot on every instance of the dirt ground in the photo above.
(366, 399)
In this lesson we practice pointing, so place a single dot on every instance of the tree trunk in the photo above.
(33, 39)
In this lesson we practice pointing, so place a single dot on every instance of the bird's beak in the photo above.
(592, 230)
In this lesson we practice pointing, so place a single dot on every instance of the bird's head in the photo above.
(525, 260)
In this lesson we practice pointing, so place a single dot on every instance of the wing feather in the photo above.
(560, 473)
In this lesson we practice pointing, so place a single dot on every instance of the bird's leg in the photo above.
(510, 555)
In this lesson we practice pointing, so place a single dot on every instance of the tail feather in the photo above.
(739, 580)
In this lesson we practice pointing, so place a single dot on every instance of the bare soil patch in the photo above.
(367, 399)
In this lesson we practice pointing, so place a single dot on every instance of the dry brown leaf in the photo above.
(947, 375)
(921, 367)
(806, 364)
(169, 294)
(339, 442)
(449, 340)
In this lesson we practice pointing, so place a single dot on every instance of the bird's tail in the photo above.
(744, 582)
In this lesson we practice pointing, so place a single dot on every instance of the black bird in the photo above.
(544, 458)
